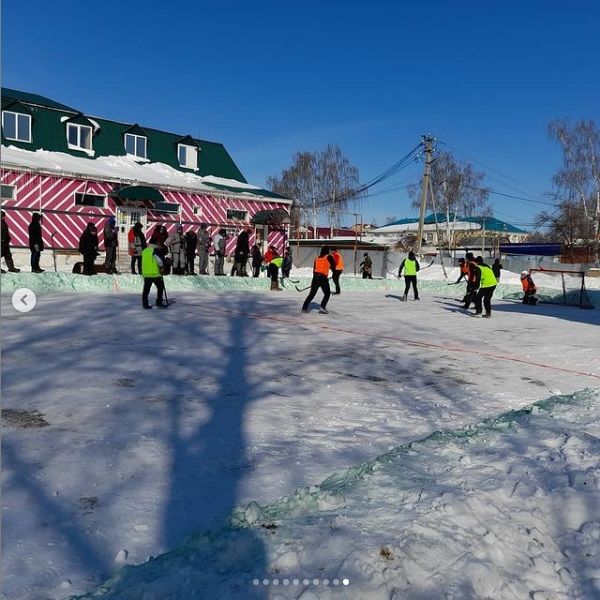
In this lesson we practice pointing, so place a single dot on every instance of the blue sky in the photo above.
(269, 79)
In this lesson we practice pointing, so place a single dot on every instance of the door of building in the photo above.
(126, 219)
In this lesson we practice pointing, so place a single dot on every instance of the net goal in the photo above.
(561, 286)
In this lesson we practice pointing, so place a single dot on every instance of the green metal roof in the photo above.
(491, 223)
(28, 98)
(49, 133)
(138, 192)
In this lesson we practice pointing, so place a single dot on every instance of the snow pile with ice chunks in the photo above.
(507, 508)
(433, 279)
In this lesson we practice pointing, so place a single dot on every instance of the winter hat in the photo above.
(524, 273)
(111, 221)
(179, 227)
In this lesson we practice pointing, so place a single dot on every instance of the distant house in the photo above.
(456, 231)
(75, 168)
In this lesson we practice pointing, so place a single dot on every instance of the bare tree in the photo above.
(321, 184)
(457, 191)
(576, 184)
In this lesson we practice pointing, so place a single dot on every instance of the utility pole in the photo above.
(428, 141)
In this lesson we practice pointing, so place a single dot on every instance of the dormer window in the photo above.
(135, 145)
(16, 126)
(188, 156)
(79, 137)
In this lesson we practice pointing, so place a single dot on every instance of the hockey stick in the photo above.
(308, 286)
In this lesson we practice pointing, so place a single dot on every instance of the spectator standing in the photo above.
(204, 241)
(242, 251)
(137, 243)
(176, 244)
(191, 242)
(256, 260)
(220, 242)
(111, 243)
(366, 266)
(5, 243)
(36, 243)
(88, 246)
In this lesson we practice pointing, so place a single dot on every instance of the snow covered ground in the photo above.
(389, 450)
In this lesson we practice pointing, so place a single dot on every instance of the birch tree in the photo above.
(322, 184)
(576, 184)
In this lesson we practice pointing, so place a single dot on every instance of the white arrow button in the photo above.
(24, 300)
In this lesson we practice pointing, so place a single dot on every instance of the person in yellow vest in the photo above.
(485, 284)
(152, 265)
(410, 266)
(339, 267)
(322, 265)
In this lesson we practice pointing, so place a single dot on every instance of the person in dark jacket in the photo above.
(88, 246)
(191, 241)
(111, 243)
(322, 265)
(256, 260)
(137, 243)
(497, 269)
(366, 266)
(36, 243)
(410, 266)
(5, 242)
(242, 251)
(286, 267)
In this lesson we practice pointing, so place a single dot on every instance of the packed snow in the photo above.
(231, 447)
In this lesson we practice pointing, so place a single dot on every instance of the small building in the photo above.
(452, 231)
(75, 168)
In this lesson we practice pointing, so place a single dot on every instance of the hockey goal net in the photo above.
(561, 286)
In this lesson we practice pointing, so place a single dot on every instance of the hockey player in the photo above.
(322, 265)
(529, 288)
(152, 265)
(337, 272)
(485, 284)
(410, 266)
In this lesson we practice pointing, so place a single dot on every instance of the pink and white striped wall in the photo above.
(63, 222)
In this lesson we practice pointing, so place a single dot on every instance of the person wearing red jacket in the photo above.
(529, 288)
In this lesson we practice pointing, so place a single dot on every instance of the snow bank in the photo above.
(431, 282)
(507, 508)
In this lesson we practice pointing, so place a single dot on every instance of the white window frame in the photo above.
(188, 150)
(197, 210)
(78, 146)
(13, 189)
(135, 143)
(237, 210)
(17, 115)
(103, 196)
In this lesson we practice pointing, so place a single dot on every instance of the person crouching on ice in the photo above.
(529, 288)
(322, 265)
(152, 265)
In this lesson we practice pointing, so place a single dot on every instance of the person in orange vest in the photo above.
(339, 267)
(322, 265)
(529, 288)
(471, 292)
